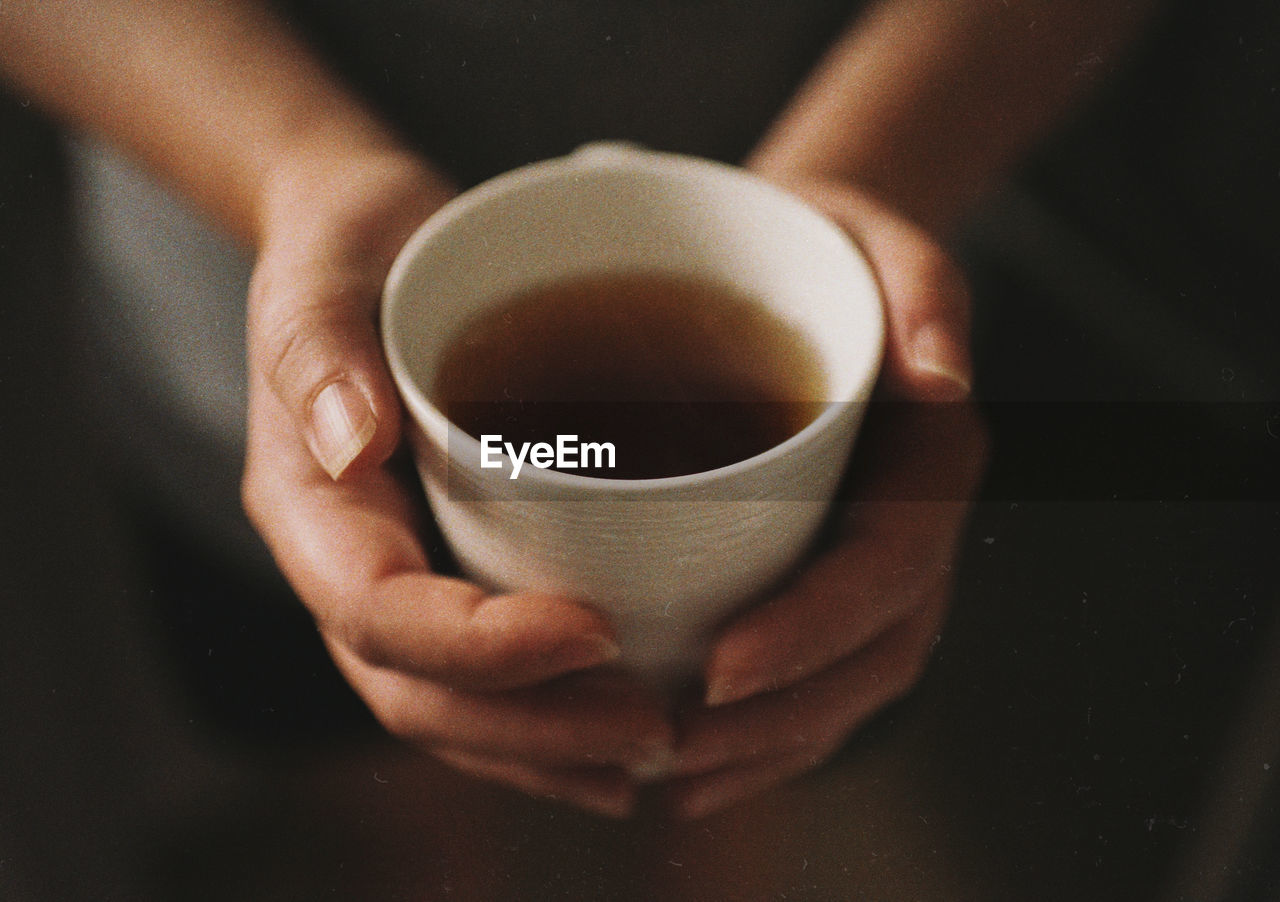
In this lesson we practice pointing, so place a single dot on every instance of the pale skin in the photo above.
(918, 108)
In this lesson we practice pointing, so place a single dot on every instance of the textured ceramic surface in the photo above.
(666, 558)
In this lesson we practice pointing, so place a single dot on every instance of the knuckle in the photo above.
(476, 663)
(294, 355)
(478, 645)
(361, 641)
(494, 644)
(934, 266)
(303, 330)
(923, 272)
(935, 274)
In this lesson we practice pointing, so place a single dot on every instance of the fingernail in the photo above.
(727, 691)
(703, 802)
(935, 351)
(617, 805)
(342, 423)
(655, 760)
(582, 652)
(718, 694)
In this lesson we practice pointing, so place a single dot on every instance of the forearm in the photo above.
(218, 98)
(926, 103)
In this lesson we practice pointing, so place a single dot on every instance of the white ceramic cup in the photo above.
(669, 558)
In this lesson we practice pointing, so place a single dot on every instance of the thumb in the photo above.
(313, 341)
(926, 299)
(927, 312)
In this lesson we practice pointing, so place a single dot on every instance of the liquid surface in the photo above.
(679, 375)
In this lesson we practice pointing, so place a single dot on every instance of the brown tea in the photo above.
(677, 375)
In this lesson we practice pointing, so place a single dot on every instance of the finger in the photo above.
(600, 790)
(312, 336)
(351, 550)
(811, 720)
(331, 228)
(577, 721)
(707, 794)
(890, 550)
(927, 305)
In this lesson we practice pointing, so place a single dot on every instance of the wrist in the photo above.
(372, 192)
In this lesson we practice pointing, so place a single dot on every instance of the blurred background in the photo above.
(1102, 720)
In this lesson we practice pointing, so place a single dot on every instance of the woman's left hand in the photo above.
(790, 679)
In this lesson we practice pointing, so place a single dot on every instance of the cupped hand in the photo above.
(788, 681)
(506, 687)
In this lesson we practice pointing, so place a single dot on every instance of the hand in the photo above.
(495, 685)
(789, 680)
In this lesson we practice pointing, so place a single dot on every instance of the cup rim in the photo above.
(603, 155)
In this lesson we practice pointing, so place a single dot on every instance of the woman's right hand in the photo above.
(226, 103)
(513, 688)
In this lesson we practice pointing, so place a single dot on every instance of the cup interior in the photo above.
(623, 211)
